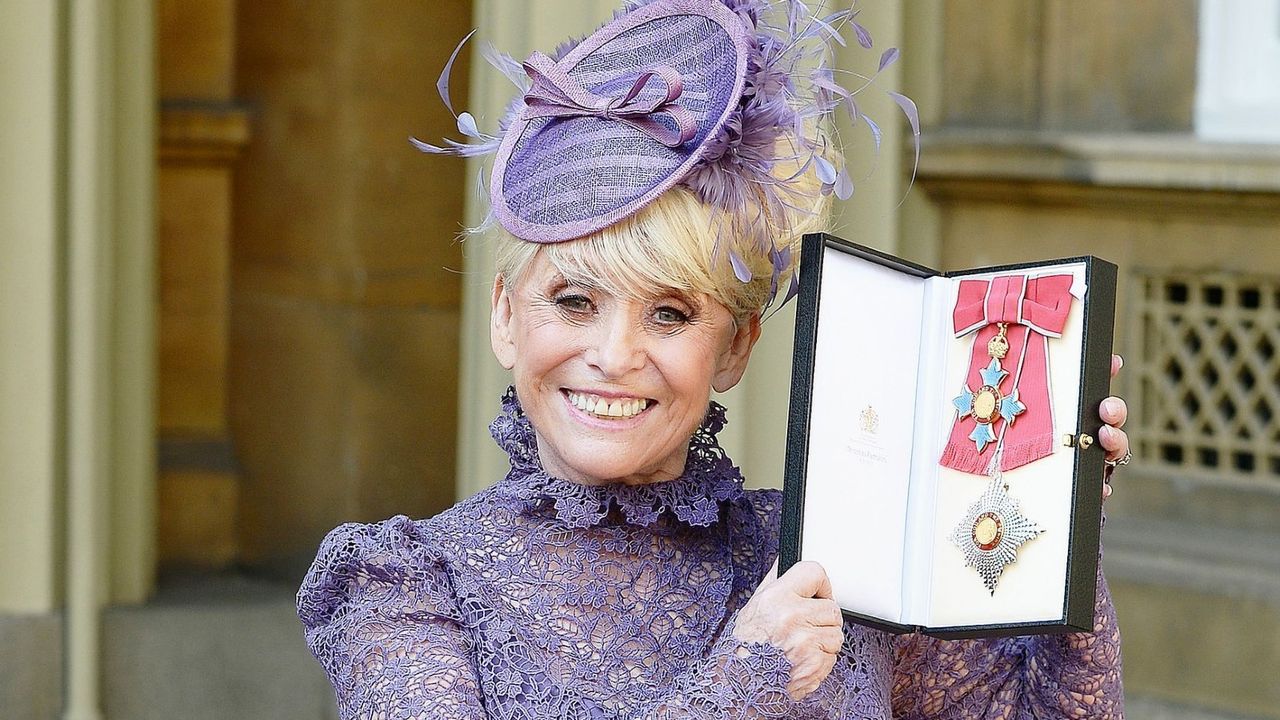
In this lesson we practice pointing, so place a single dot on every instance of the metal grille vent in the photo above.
(1209, 375)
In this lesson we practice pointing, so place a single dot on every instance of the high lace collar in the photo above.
(709, 478)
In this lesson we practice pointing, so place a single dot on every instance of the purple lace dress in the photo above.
(541, 598)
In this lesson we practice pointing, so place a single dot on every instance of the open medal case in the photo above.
(942, 462)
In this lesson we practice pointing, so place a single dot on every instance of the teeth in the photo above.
(600, 407)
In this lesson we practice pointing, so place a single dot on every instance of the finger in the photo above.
(807, 579)
(810, 642)
(1115, 441)
(799, 689)
(1106, 490)
(823, 613)
(807, 674)
(1114, 411)
(830, 640)
(1117, 362)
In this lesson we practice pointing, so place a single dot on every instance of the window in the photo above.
(1238, 89)
(1209, 378)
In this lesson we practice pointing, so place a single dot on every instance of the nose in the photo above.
(618, 347)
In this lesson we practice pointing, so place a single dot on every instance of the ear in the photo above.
(733, 362)
(501, 317)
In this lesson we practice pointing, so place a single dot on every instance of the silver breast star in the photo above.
(991, 532)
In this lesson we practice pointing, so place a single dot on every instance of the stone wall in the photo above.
(345, 293)
(308, 266)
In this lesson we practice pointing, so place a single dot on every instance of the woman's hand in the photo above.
(796, 614)
(1115, 441)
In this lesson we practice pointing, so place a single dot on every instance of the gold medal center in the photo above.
(984, 404)
(986, 531)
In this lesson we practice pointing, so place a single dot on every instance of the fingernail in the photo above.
(1121, 360)
(1111, 407)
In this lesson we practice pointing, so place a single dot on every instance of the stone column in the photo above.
(30, 254)
(109, 342)
(75, 370)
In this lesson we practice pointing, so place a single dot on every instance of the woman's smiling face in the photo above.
(614, 386)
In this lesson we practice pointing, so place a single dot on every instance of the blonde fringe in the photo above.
(677, 243)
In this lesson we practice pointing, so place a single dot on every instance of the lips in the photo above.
(607, 407)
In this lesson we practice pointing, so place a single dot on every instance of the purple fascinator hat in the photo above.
(728, 98)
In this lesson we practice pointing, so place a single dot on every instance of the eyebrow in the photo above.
(560, 281)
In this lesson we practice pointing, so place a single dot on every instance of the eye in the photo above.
(668, 315)
(574, 304)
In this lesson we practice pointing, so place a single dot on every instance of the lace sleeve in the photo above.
(736, 679)
(748, 680)
(379, 616)
(1076, 675)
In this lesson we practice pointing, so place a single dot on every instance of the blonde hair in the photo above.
(676, 243)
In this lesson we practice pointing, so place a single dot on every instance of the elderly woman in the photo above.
(620, 570)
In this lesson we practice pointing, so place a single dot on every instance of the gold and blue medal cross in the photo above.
(988, 403)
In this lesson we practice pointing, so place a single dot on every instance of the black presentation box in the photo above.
(942, 462)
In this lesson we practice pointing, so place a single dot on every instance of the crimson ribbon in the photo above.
(1035, 310)
(553, 94)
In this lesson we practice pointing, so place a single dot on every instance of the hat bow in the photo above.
(554, 94)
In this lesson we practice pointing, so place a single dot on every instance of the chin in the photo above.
(604, 465)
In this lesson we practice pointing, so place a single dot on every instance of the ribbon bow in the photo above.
(553, 94)
(1041, 303)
